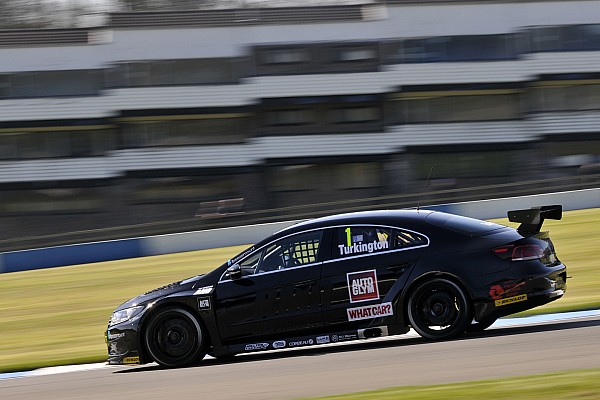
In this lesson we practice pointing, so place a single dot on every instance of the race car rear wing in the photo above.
(531, 220)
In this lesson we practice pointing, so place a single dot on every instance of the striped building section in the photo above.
(153, 115)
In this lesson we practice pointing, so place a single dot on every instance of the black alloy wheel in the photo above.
(175, 338)
(439, 309)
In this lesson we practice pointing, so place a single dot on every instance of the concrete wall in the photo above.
(174, 243)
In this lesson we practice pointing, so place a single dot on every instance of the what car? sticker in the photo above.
(362, 286)
(372, 311)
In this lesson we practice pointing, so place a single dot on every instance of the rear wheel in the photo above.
(175, 338)
(439, 309)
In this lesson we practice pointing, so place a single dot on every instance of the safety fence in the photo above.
(84, 253)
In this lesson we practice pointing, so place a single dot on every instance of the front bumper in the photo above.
(123, 344)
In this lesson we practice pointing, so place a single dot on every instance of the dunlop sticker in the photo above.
(510, 300)
(131, 360)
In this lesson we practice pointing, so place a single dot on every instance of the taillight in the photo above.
(520, 252)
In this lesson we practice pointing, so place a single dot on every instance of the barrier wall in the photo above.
(84, 253)
(199, 240)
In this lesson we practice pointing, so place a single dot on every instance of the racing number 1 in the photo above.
(348, 236)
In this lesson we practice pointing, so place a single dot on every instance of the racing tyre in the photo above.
(481, 325)
(175, 338)
(439, 309)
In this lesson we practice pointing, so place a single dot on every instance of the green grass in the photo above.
(581, 384)
(57, 316)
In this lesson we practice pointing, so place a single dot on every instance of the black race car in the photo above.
(346, 277)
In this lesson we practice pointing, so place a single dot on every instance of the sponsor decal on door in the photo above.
(368, 312)
(362, 286)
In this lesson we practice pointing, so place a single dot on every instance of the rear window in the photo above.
(466, 225)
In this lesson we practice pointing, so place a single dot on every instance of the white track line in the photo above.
(501, 323)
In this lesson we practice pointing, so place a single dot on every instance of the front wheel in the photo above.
(175, 338)
(439, 309)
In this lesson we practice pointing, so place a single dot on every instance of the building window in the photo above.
(565, 98)
(457, 48)
(357, 175)
(51, 200)
(462, 108)
(565, 38)
(463, 165)
(52, 83)
(284, 56)
(357, 54)
(356, 114)
(32, 145)
(325, 177)
(183, 189)
(289, 117)
(172, 72)
(184, 132)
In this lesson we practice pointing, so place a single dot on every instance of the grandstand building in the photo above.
(154, 116)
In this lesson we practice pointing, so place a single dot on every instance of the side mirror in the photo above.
(234, 272)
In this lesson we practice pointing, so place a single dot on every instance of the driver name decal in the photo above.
(367, 312)
(359, 248)
(362, 286)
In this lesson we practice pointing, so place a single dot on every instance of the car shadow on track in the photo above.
(393, 341)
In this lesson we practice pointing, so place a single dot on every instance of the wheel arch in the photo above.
(427, 277)
(161, 305)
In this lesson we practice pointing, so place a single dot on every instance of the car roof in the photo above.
(379, 217)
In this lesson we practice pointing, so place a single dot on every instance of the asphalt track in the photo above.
(502, 351)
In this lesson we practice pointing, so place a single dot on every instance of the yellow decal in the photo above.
(131, 360)
(510, 300)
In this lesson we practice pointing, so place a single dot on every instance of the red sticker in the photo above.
(362, 286)
(496, 292)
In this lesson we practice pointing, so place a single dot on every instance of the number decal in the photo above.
(348, 237)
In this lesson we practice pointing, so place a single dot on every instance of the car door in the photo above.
(278, 292)
(368, 267)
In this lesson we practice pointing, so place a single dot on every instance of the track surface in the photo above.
(336, 369)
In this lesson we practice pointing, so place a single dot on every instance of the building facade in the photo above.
(158, 116)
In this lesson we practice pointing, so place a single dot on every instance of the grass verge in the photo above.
(579, 384)
(57, 316)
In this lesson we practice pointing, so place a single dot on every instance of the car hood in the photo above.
(154, 294)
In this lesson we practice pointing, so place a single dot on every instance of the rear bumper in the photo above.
(528, 293)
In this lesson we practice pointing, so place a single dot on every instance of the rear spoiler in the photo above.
(531, 220)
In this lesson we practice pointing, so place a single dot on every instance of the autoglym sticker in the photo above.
(362, 286)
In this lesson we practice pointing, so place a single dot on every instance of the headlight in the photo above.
(124, 315)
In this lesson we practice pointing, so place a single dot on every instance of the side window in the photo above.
(358, 240)
(249, 265)
(291, 252)
(406, 239)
